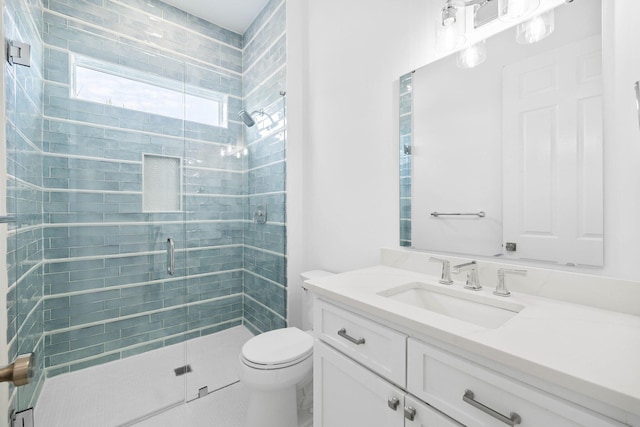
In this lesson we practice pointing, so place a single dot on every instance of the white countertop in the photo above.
(591, 351)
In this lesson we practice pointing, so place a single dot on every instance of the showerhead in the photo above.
(246, 118)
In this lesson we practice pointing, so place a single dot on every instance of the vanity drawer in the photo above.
(381, 349)
(443, 380)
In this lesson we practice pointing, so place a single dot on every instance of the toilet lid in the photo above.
(278, 346)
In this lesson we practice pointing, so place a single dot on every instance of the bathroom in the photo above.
(342, 69)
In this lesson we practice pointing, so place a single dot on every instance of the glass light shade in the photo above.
(511, 10)
(450, 28)
(536, 29)
(472, 56)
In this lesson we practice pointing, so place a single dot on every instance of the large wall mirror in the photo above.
(505, 159)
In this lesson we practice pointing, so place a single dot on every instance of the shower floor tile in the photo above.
(142, 387)
(224, 408)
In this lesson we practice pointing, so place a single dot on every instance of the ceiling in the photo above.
(234, 15)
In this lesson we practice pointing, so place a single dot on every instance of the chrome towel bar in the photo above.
(480, 214)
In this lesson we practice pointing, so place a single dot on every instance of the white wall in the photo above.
(622, 141)
(357, 50)
(347, 190)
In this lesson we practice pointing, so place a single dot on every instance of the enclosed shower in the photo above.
(131, 230)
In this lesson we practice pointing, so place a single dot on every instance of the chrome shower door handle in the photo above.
(171, 259)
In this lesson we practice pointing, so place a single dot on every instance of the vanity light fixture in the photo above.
(472, 56)
(451, 23)
(451, 26)
(536, 29)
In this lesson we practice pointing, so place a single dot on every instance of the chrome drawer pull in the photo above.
(409, 413)
(343, 333)
(469, 398)
(393, 403)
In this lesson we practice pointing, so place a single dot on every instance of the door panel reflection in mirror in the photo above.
(544, 191)
(552, 146)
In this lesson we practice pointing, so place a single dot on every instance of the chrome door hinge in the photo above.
(18, 53)
(22, 418)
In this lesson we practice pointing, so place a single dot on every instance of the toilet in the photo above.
(277, 368)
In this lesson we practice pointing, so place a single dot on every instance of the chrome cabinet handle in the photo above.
(343, 333)
(171, 259)
(513, 420)
(393, 403)
(409, 413)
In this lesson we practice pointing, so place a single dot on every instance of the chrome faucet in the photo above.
(473, 282)
(445, 277)
(501, 289)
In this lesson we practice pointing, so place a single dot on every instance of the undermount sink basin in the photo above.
(465, 305)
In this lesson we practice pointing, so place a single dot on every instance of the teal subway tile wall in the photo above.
(264, 65)
(87, 258)
(406, 135)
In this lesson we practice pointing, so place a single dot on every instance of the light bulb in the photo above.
(511, 10)
(222, 152)
(472, 56)
(535, 29)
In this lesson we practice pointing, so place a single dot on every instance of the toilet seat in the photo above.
(277, 349)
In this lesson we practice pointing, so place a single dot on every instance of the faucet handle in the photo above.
(445, 277)
(501, 289)
(473, 282)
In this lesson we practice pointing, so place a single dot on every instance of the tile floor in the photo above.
(144, 391)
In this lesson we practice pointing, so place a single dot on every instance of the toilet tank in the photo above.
(307, 297)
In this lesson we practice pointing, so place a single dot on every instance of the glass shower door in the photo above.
(114, 231)
(23, 178)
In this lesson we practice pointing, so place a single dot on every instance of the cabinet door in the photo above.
(347, 394)
(425, 415)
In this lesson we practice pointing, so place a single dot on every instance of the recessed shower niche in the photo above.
(161, 184)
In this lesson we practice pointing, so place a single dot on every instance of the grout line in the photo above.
(136, 285)
(164, 51)
(283, 66)
(146, 313)
(259, 30)
(264, 52)
(86, 359)
(268, 308)
(280, 285)
(175, 24)
(136, 131)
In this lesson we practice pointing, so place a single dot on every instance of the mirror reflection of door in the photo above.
(552, 145)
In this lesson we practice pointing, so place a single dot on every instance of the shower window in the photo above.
(125, 87)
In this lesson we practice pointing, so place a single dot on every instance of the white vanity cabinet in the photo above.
(360, 374)
(368, 374)
(346, 394)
